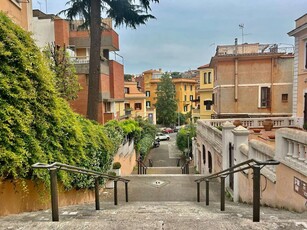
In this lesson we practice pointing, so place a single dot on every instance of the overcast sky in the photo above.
(185, 33)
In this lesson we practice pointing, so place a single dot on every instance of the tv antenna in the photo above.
(241, 26)
(46, 6)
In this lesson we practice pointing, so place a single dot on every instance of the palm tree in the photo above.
(131, 13)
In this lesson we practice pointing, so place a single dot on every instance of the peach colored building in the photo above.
(67, 33)
(19, 11)
(300, 69)
(252, 80)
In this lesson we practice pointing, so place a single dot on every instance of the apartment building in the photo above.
(300, 69)
(19, 11)
(135, 103)
(51, 28)
(206, 75)
(252, 80)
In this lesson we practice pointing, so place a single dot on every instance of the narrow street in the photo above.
(166, 155)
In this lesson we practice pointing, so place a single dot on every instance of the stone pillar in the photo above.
(227, 138)
(240, 136)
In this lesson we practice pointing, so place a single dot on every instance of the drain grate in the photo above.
(159, 183)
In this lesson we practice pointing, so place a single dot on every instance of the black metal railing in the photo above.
(255, 165)
(142, 168)
(150, 163)
(55, 167)
(185, 168)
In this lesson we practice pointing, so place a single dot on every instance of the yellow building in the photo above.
(19, 11)
(206, 91)
(135, 103)
(185, 94)
(151, 79)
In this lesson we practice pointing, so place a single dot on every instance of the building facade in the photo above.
(19, 11)
(68, 34)
(300, 69)
(252, 80)
(206, 91)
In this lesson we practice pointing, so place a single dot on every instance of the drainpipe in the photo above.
(272, 79)
(236, 80)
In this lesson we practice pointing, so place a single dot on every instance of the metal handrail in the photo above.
(71, 168)
(142, 168)
(229, 170)
(252, 163)
(185, 167)
(53, 168)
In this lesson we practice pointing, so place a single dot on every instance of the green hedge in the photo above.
(36, 125)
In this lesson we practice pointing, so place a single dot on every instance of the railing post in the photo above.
(97, 204)
(188, 168)
(223, 193)
(126, 190)
(207, 192)
(198, 191)
(54, 194)
(115, 192)
(256, 193)
(139, 167)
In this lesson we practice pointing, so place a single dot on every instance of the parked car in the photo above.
(162, 137)
(177, 128)
(168, 130)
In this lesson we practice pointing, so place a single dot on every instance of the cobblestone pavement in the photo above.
(157, 215)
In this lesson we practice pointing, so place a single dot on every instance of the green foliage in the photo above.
(144, 145)
(66, 80)
(115, 134)
(117, 165)
(166, 104)
(182, 119)
(184, 136)
(148, 131)
(37, 125)
(128, 77)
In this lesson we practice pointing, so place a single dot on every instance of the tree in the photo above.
(66, 80)
(176, 75)
(128, 77)
(166, 101)
(124, 12)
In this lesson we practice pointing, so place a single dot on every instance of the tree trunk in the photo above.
(94, 65)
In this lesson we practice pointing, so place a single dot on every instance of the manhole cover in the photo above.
(159, 183)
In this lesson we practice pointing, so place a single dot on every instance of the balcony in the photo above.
(81, 38)
(82, 65)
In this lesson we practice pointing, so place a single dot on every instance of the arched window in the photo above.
(204, 154)
(209, 162)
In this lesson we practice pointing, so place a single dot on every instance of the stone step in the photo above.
(157, 215)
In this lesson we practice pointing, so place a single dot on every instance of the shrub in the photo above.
(117, 165)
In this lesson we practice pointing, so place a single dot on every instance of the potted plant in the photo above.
(116, 168)
(267, 124)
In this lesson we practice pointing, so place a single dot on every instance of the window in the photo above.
(265, 96)
(147, 104)
(185, 87)
(127, 90)
(306, 55)
(138, 106)
(209, 78)
(205, 78)
(204, 154)
(208, 104)
(213, 98)
(147, 93)
(185, 108)
(191, 97)
(191, 87)
(185, 97)
(284, 97)
(108, 107)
